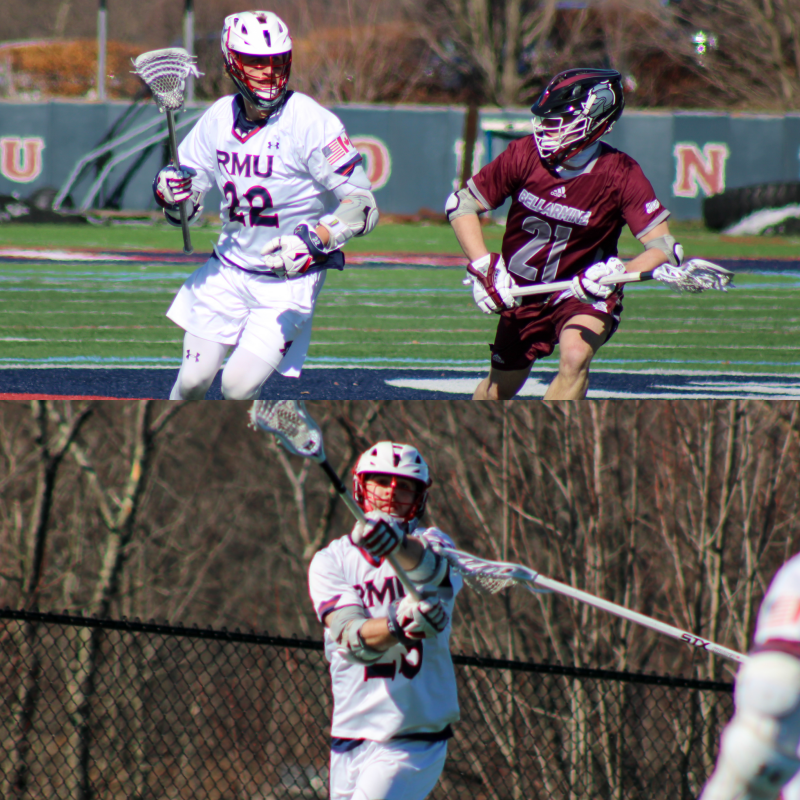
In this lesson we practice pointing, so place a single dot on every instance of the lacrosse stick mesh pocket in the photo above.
(693, 277)
(289, 420)
(482, 576)
(165, 73)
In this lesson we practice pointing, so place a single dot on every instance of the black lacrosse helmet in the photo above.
(576, 109)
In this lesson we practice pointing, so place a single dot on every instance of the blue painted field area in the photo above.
(393, 384)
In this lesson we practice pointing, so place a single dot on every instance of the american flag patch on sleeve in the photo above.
(337, 150)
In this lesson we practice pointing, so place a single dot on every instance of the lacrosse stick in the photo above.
(492, 576)
(301, 436)
(695, 276)
(165, 73)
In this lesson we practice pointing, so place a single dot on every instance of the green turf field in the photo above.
(400, 238)
(114, 314)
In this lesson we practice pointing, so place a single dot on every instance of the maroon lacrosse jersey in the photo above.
(557, 227)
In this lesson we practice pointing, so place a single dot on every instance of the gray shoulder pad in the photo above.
(670, 247)
(461, 203)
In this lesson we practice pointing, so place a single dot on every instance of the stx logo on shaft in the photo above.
(695, 641)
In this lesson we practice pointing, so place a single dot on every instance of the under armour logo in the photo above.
(189, 355)
(560, 191)
(276, 145)
(283, 349)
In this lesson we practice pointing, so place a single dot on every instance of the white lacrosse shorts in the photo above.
(263, 314)
(396, 770)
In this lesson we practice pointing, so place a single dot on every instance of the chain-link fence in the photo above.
(116, 709)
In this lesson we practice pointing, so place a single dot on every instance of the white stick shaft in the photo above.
(640, 619)
(559, 286)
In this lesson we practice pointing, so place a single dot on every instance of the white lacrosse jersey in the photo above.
(271, 177)
(406, 691)
(779, 616)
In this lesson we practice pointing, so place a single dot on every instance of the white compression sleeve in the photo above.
(200, 363)
(244, 375)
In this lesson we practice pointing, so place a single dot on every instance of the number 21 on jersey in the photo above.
(542, 232)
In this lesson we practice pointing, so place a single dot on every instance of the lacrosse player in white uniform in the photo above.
(394, 687)
(760, 747)
(294, 192)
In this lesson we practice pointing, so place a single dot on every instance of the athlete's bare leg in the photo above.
(580, 339)
(501, 385)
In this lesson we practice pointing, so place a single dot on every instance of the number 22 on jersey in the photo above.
(258, 200)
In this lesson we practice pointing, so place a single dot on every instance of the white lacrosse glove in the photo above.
(379, 535)
(586, 287)
(288, 256)
(173, 186)
(491, 284)
(412, 620)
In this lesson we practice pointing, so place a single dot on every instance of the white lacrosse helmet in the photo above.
(400, 461)
(258, 33)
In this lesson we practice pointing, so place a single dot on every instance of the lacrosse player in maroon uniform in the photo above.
(570, 195)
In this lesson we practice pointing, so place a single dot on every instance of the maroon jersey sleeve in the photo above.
(501, 178)
(640, 207)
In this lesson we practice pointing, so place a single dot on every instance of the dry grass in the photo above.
(69, 68)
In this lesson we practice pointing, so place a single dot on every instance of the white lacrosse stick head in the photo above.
(694, 276)
(292, 424)
(165, 73)
(489, 577)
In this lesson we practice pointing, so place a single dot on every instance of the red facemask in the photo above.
(269, 86)
(400, 502)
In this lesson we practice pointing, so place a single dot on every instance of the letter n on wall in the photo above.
(21, 159)
(697, 170)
